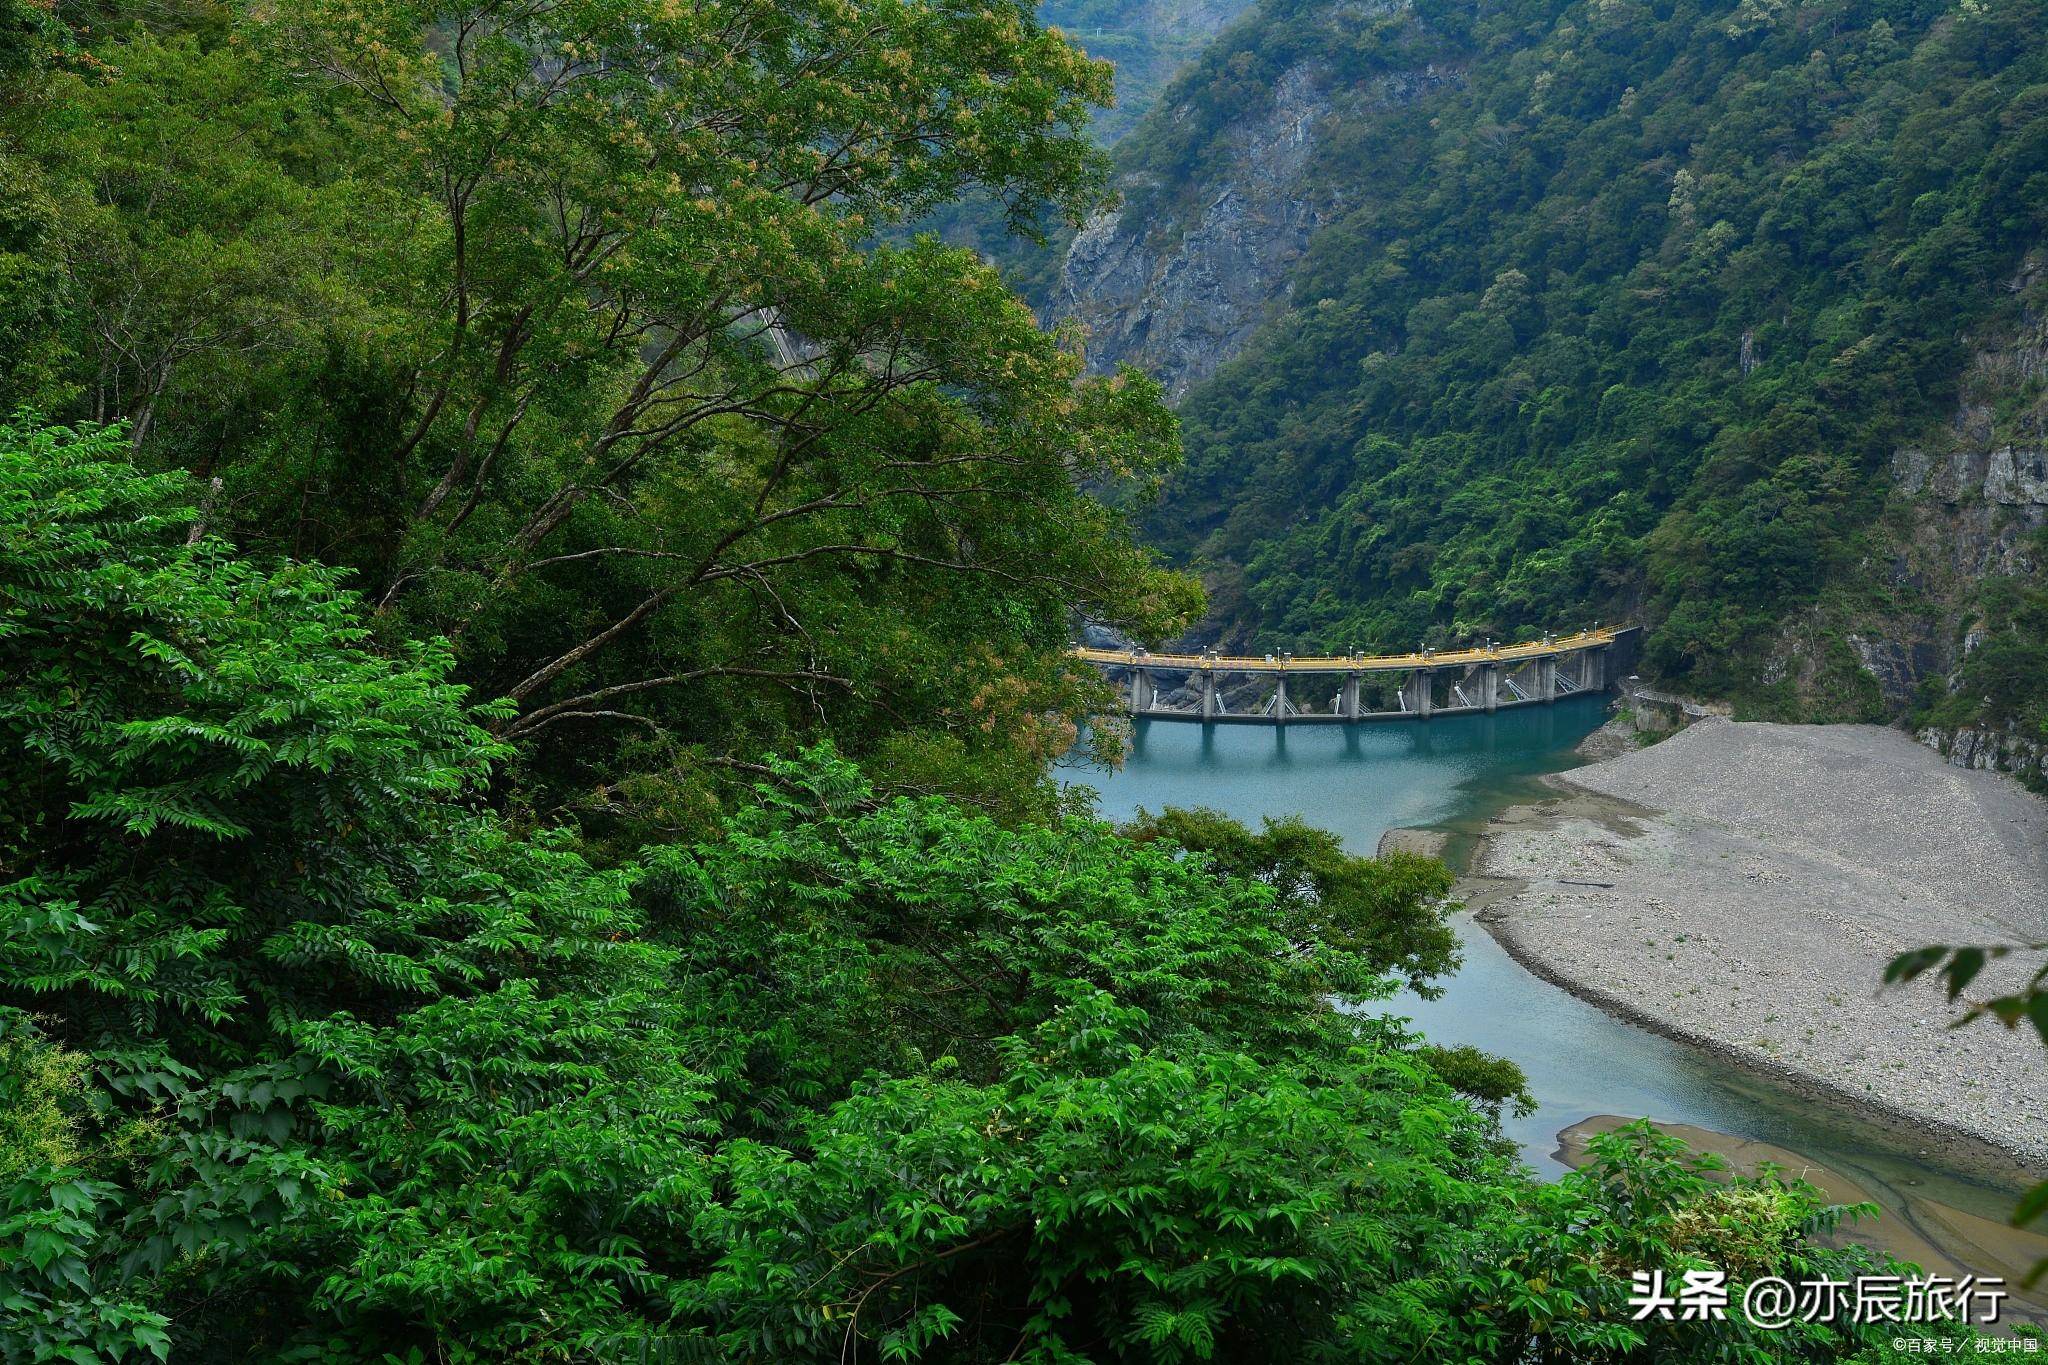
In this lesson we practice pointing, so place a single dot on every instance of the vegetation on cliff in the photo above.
(1147, 42)
(1625, 314)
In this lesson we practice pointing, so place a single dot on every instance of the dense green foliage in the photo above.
(240, 853)
(486, 441)
(311, 1057)
(1380, 909)
(593, 363)
(1626, 317)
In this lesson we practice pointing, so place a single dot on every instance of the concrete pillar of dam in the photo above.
(1280, 701)
(1489, 686)
(1347, 700)
(1208, 694)
(1141, 691)
(1546, 679)
(1593, 669)
(1417, 691)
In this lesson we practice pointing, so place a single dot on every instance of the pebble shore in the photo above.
(1742, 886)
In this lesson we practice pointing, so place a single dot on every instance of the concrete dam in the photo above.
(1285, 689)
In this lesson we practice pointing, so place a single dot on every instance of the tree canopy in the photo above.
(568, 329)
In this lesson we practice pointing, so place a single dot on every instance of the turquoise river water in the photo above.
(1359, 781)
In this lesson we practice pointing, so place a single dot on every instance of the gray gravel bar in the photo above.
(1741, 886)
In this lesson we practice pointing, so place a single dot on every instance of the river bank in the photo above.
(1740, 887)
(1937, 1237)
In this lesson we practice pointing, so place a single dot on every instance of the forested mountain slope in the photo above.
(1609, 308)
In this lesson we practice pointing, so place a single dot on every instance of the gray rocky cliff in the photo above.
(1984, 499)
(1971, 503)
(1179, 308)
(1981, 491)
(1178, 298)
(1984, 747)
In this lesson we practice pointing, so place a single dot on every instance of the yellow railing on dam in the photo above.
(1357, 663)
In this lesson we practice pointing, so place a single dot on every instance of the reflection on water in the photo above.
(1356, 781)
(1360, 781)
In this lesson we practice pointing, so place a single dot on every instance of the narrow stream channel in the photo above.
(1453, 773)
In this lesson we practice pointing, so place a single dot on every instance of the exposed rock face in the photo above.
(1181, 309)
(1975, 508)
(1179, 298)
(1098, 636)
(1983, 491)
(1988, 749)
(1993, 497)
(1897, 665)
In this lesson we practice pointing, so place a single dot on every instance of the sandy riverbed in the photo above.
(1741, 886)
